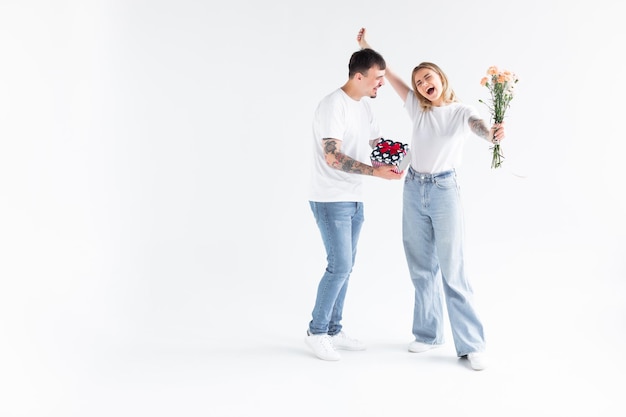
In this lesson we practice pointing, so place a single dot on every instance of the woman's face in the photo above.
(428, 84)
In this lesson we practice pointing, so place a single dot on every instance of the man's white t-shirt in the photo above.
(340, 117)
(438, 135)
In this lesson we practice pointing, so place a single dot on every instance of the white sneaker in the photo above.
(342, 341)
(322, 346)
(419, 347)
(477, 360)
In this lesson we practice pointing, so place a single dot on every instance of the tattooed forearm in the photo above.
(479, 128)
(347, 164)
(342, 162)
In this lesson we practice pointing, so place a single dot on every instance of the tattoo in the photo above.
(330, 146)
(479, 128)
(343, 162)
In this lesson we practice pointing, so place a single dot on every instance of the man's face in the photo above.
(371, 82)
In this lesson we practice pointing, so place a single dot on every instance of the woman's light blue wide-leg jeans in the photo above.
(432, 230)
(340, 225)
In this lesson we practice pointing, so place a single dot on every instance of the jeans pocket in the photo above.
(446, 183)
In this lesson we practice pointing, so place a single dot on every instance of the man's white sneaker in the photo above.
(477, 360)
(342, 341)
(419, 347)
(322, 346)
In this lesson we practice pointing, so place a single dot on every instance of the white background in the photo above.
(158, 255)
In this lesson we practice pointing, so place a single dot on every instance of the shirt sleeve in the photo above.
(411, 105)
(330, 120)
(471, 112)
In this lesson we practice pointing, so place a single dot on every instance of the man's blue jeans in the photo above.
(340, 225)
(432, 230)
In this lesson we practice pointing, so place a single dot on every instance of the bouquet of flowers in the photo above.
(388, 152)
(501, 85)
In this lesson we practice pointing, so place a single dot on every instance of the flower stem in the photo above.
(496, 157)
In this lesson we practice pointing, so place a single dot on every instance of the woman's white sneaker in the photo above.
(477, 360)
(322, 346)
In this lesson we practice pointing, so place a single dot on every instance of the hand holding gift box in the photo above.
(389, 152)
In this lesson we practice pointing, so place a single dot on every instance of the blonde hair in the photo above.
(447, 93)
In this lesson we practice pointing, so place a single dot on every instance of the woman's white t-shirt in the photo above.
(438, 135)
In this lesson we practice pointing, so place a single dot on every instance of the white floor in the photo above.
(556, 350)
(277, 376)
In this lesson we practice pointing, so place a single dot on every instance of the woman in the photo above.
(432, 217)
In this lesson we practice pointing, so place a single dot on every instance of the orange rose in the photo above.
(483, 82)
(493, 70)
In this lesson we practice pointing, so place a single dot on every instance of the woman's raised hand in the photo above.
(360, 38)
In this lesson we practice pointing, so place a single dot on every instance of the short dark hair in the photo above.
(361, 61)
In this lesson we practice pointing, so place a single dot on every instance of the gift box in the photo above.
(388, 152)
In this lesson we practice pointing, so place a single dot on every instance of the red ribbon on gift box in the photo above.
(390, 148)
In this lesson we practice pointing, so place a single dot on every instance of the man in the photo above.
(343, 126)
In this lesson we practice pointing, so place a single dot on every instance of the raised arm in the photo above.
(338, 160)
(396, 82)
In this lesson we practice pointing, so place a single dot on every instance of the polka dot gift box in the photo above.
(388, 152)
